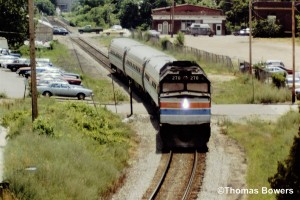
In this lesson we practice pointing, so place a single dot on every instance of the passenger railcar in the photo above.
(180, 90)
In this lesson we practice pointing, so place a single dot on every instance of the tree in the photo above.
(14, 21)
(45, 6)
(129, 14)
(288, 173)
(266, 28)
(237, 13)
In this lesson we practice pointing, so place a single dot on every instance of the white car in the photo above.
(274, 62)
(289, 82)
(275, 69)
(116, 30)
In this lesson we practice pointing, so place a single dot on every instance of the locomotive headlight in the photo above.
(185, 104)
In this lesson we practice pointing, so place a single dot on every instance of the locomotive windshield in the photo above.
(185, 82)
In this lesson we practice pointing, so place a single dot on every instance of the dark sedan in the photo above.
(60, 31)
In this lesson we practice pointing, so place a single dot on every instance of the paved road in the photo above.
(11, 84)
(234, 112)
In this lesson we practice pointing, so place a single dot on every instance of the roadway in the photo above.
(13, 86)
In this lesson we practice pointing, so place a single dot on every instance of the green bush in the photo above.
(267, 28)
(3, 95)
(278, 79)
(288, 173)
(164, 43)
(82, 161)
(179, 41)
(43, 127)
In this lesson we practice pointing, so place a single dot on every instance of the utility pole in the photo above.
(32, 60)
(172, 23)
(250, 36)
(250, 47)
(293, 41)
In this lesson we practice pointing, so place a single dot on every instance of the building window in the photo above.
(159, 27)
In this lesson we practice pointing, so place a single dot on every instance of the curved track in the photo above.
(98, 55)
(181, 177)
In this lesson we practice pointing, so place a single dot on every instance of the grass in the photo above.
(265, 144)
(81, 158)
(246, 90)
(82, 155)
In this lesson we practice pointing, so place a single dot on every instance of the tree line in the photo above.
(128, 13)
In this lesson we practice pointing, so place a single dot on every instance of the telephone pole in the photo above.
(293, 41)
(172, 21)
(32, 60)
(292, 8)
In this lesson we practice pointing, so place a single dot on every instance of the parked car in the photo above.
(200, 29)
(275, 69)
(289, 71)
(153, 33)
(60, 31)
(289, 82)
(90, 29)
(18, 64)
(242, 32)
(64, 89)
(274, 62)
(70, 79)
(6, 59)
(116, 30)
(48, 81)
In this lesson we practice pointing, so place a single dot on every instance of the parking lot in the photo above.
(237, 47)
(12, 85)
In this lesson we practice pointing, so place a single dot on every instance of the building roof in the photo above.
(187, 9)
(45, 23)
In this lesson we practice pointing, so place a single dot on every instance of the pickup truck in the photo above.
(89, 29)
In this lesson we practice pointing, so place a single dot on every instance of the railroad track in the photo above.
(100, 56)
(180, 177)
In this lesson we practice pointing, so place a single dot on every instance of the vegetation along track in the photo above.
(179, 178)
(99, 56)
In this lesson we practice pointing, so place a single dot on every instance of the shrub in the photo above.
(3, 95)
(179, 39)
(278, 79)
(266, 28)
(43, 127)
(164, 43)
(288, 173)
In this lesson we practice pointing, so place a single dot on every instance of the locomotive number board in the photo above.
(185, 78)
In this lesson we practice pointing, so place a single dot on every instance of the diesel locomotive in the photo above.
(180, 90)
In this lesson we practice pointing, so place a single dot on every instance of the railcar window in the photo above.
(147, 77)
(199, 87)
(169, 87)
(154, 85)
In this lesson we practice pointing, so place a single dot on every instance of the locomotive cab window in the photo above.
(198, 87)
(171, 87)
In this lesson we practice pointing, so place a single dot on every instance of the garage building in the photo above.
(186, 14)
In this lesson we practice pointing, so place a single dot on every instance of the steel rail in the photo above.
(157, 188)
(99, 56)
(189, 186)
